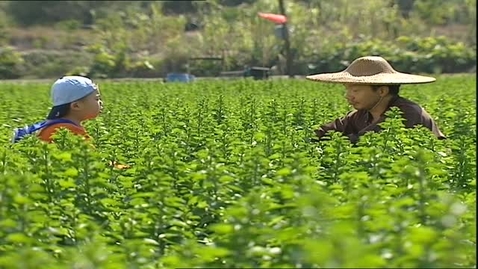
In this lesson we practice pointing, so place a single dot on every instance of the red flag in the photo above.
(275, 18)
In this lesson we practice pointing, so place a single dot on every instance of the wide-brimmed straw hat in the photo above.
(371, 70)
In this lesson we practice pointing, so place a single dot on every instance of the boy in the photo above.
(75, 99)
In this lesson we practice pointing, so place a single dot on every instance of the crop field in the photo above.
(223, 174)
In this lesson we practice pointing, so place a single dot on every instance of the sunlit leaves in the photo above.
(223, 174)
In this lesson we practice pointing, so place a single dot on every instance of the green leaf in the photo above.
(222, 228)
(18, 238)
(71, 172)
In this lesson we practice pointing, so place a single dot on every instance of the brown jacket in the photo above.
(357, 123)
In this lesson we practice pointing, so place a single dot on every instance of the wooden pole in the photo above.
(285, 32)
(262, 43)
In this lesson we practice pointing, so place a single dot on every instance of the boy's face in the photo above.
(88, 107)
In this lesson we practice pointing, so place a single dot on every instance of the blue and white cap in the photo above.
(66, 90)
(71, 88)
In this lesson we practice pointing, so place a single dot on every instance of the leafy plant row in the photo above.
(223, 174)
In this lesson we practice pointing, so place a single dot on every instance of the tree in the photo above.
(28, 13)
(405, 6)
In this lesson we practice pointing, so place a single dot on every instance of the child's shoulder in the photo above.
(48, 131)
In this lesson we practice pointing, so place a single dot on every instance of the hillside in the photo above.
(148, 39)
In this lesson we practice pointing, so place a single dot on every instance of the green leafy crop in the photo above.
(223, 174)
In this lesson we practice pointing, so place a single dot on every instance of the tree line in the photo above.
(28, 13)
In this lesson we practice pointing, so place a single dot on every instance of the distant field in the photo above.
(198, 78)
(223, 174)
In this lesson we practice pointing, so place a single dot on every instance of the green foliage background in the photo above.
(224, 175)
(147, 38)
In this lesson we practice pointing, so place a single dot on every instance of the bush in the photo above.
(51, 64)
(418, 55)
(406, 54)
(107, 63)
(10, 63)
